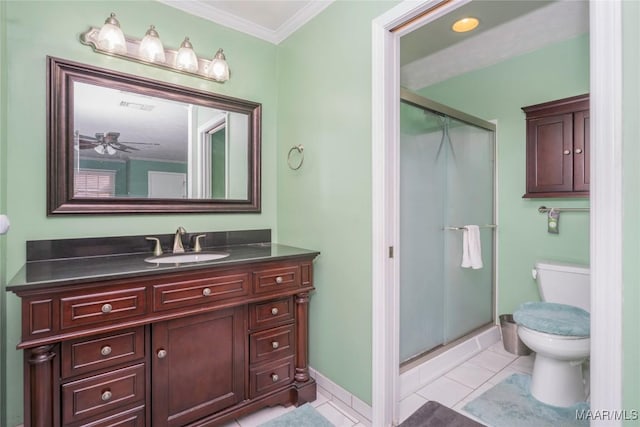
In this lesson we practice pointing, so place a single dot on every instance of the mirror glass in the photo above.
(132, 145)
(121, 143)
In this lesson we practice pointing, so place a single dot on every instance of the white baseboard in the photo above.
(416, 378)
(346, 401)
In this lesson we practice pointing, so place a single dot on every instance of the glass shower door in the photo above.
(468, 293)
(446, 180)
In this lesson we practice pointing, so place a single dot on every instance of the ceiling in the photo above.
(270, 20)
(435, 53)
(431, 53)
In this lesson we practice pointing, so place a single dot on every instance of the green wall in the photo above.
(631, 208)
(324, 103)
(37, 29)
(498, 92)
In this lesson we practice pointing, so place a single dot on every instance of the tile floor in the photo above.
(329, 409)
(464, 383)
(454, 389)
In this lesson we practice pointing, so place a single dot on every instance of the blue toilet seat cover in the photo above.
(553, 318)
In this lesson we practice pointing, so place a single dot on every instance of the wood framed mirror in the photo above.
(119, 143)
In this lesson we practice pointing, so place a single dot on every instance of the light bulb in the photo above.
(110, 150)
(99, 149)
(218, 68)
(110, 37)
(186, 58)
(151, 48)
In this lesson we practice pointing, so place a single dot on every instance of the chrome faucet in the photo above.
(177, 240)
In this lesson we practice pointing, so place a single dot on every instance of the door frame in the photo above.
(605, 201)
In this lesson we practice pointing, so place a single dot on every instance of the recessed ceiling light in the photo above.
(465, 24)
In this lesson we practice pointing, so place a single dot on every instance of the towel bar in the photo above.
(462, 227)
(544, 209)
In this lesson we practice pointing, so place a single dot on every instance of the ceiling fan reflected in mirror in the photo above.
(107, 143)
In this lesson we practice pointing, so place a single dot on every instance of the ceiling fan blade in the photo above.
(139, 143)
(123, 147)
(87, 137)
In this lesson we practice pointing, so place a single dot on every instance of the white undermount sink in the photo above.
(186, 257)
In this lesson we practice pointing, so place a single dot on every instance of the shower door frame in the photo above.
(606, 200)
(437, 108)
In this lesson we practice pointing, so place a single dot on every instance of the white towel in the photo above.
(471, 247)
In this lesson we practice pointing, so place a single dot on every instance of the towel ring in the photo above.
(300, 149)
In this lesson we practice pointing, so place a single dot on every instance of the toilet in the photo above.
(558, 330)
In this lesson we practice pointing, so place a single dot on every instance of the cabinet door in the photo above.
(581, 151)
(549, 154)
(198, 367)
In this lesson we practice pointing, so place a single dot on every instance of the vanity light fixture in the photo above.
(186, 59)
(151, 48)
(110, 37)
(218, 68)
(110, 40)
(465, 24)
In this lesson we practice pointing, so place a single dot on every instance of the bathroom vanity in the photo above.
(116, 340)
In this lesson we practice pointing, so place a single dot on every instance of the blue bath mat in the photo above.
(303, 416)
(510, 404)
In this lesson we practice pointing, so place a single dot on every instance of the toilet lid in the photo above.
(553, 318)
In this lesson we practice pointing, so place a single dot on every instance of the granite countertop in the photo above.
(60, 272)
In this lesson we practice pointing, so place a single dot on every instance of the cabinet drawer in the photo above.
(132, 418)
(276, 279)
(267, 377)
(102, 307)
(89, 397)
(88, 354)
(271, 344)
(199, 291)
(271, 313)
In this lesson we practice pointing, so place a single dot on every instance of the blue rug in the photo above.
(303, 416)
(510, 404)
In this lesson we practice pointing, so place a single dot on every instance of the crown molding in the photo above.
(226, 19)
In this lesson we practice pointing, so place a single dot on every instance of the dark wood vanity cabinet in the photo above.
(197, 348)
(558, 148)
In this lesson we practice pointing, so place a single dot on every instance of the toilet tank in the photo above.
(564, 283)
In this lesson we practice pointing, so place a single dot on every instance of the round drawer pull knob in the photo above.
(206, 292)
(162, 353)
(566, 152)
(274, 377)
(274, 311)
(106, 396)
(275, 344)
(106, 350)
(279, 280)
(106, 308)
(578, 150)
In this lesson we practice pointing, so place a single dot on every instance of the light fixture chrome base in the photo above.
(90, 38)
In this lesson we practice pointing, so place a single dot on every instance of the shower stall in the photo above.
(447, 173)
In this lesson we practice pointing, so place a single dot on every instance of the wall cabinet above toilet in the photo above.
(558, 148)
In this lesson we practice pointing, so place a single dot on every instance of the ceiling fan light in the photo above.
(110, 150)
(186, 58)
(151, 48)
(110, 37)
(218, 68)
(99, 149)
